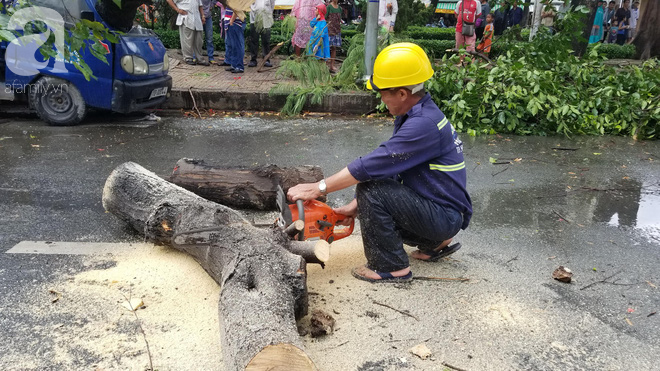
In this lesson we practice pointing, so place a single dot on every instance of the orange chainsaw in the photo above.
(320, 220)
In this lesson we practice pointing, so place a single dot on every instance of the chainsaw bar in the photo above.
(285, 218)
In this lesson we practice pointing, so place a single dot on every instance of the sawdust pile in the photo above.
(89, 323)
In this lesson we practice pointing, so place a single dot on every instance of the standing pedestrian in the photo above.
(500, 19)
(388, 9)
(261, 20)
(319, 43)
(548, 18)
(634, 17)
(514, 16)
(190, 20)
(481, 21)
(487, 40)
(597, 28)
(236, 38)
(607, 20)
(623, 15)
(622, 31)
(467, 12)
(304, 11)
(334, 31)
(207, 6)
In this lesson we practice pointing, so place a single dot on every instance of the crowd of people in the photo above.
(614, 25)
(318, 26)
(317, 32)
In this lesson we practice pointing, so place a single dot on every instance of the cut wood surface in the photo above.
(263, 285)
(240, 187)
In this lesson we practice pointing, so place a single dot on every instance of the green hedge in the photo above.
(435, 48)
(615, 51)
(430, 33)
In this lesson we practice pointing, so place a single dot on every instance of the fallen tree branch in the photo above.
(501, 171)
(564, 148)
(601, 281)
(194, 103)
(476, 54)
(144, 335)
(427, 278)
(396, 310)
(267, 57)
(453, 367)
(561, 216)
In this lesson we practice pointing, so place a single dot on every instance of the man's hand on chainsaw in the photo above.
(350, 210)
(305, 191)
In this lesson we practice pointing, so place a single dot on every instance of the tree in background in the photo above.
(580, 42)
(647, 39)
(412, 13)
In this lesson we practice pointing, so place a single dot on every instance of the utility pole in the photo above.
(371, 37)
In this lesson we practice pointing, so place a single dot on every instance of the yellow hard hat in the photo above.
(401, 64)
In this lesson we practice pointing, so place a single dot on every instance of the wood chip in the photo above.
(133, 304)
(58, 296)
(421, 351)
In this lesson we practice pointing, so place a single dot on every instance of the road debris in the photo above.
(562, 274)
(322, 323)
(421, 351)
(397, 310)
(58, 296)
(133, 304)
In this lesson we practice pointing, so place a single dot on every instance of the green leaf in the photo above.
(492, 160)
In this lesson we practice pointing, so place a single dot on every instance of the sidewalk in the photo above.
(213, 87)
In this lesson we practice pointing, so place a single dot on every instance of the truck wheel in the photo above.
(57, 101)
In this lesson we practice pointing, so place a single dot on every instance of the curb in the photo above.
(344, 103)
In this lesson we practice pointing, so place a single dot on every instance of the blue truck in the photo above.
(135, 78)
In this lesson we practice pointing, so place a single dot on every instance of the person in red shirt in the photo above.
(467, 12)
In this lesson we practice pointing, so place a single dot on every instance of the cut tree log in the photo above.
(264, 287)
(240, 187)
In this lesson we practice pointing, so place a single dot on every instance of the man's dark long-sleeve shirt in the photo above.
(425, 154)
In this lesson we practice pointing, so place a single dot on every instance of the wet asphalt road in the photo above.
(593, 206)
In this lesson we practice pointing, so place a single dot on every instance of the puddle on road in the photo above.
(621, 203)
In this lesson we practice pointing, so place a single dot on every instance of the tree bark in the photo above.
(525, 17)
(263, 285)
(647, 39)
(580, 44)
(240, 187)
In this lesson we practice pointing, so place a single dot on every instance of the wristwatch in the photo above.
(322, 187)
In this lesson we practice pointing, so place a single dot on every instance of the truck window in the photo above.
(69, 10)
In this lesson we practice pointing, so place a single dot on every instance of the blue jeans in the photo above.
(208, 35)
(236, 46)
(392, 214)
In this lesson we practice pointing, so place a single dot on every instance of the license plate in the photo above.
(158, 92)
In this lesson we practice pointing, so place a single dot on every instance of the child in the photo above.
(487, 39)
(614, 29)
(319, 43)
(621, 32)
(334, 31)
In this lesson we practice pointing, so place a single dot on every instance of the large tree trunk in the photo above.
(243, 188)
(647, 39)
(525, 17)
(263, 285)
(580, 44)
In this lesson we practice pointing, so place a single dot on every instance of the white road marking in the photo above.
(75, 248)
